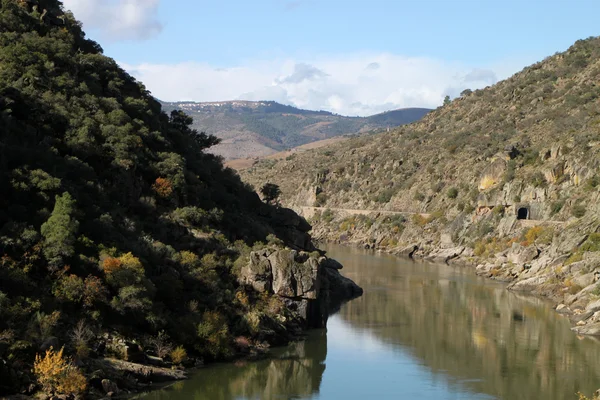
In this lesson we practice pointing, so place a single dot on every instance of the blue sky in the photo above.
(351, 57)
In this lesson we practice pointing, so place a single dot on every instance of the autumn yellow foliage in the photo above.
(178, 355)
(56, 374)
(112, 265)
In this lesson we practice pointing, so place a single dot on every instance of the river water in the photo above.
(420, 331)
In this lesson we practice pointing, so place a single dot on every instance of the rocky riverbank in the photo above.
(541, 262)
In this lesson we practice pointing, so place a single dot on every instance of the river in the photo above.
(420, 331)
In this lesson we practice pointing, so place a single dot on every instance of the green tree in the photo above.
(270, 192)
(446, 100)
(59, 231)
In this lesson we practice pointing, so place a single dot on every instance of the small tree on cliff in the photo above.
(270, 192)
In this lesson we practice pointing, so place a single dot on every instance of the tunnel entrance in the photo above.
(523, 213)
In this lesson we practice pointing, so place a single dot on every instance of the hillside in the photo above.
(504, 179)
(254, 129)
(121, 236)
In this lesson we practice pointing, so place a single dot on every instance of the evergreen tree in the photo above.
(59, 231)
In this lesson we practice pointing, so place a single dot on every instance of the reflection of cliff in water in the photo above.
(491, 340)
(296, 371)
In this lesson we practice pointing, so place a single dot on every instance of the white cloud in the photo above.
(118, 19)
(359, 84)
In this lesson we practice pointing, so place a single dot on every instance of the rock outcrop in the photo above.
(309, 283)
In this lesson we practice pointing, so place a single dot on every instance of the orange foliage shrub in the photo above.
(163, 187)
(111, 264)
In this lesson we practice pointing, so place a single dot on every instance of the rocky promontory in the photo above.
(310, 284)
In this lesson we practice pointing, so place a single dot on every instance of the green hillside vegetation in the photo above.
(279, 127)
(114, 220)
(463, 176)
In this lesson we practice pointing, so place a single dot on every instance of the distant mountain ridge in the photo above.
(260, 128)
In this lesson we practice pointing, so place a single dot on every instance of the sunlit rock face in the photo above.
(309, 284)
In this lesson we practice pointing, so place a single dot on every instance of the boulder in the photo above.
(589, 329)
(330, 263)
(292, 277)
(258, 272)
(563, 309)
(520, 254)
(309, 284)
(593, 306)
(484, 269)
(445, 255)
(585, 279)
(529, 284)
(408, 251)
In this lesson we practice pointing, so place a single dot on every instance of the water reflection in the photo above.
(474, 331)
(293, 372)
(419, 331)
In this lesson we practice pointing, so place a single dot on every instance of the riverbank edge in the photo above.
(582, 309)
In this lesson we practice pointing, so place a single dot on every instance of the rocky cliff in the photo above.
(310, 284)
(504, 179)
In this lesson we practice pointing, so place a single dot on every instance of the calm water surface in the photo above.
(420, 331)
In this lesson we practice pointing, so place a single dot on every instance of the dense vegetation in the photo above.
(278, 126)
(112, 214)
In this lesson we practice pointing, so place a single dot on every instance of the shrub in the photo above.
(556, 206)
(163, 187)
(320, 200)
(191, 215)
(69, 288)
(539, 234)
(469, 208)
(178, 355)
(188, 259)
(274, 240)
(327, 216)
(575, 257)
(161, 344)
(57, 375)
(124, 270)
(419, 196)
(214, 331)
(46, 323)
(591, 184)
(510, 173)
(94, 291)
(498, 210)
(452, 193)
(419, 220)
(80, 336)
(578, 210)
(385, 195)
(592, 243)
(491, 246)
